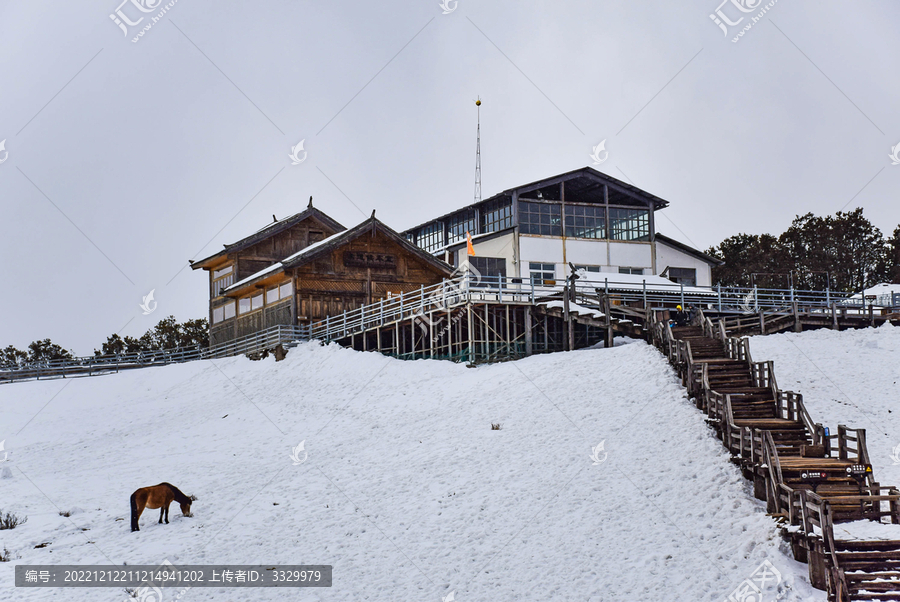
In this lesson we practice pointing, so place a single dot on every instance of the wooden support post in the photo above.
(529, 343)
(609, 330)
(571, 334)
(798, 327)
(567, 320)
(834, 320)
(471, 351)
(872, 313)
(508, 337)
(378, 339)
(486, 346)
(762, 322)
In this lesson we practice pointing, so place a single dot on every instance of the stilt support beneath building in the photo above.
(478, 333)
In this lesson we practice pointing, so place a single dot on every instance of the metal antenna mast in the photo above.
(478, 155)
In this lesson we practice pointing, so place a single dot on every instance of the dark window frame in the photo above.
(542, 219)
(629, 224)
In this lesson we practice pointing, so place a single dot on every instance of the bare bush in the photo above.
(10, 521)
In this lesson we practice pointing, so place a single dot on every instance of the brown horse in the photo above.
(158, 496)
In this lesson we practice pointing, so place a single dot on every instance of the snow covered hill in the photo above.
(406, 490)
(851, 378)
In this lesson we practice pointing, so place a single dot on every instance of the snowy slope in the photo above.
(851, 378)
(406, 490)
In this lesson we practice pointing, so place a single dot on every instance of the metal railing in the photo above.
(440, 297)
(103, 364)
(449, 294)
(739, 299)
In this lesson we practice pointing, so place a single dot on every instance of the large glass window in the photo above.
(218, 314)
(271, 296)
(496, 215)
(430, 237)
(629, 224)
(229, 310)
(257, 301)
(286, 289)
(540, 218)
(460, 223)
(585, 221)
(638, 271)
(244, 305)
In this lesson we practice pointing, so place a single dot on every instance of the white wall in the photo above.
(501, 246)
(585, 252)
(667, 256)
(540, 249)
(631, 255)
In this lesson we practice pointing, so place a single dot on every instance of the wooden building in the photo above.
(239, 260)
(309, 270)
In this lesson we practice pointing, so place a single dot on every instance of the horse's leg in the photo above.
(162, 510)
(167, 513)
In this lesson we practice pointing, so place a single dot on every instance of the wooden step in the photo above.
(877, 544)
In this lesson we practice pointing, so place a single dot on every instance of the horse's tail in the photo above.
(134, 511)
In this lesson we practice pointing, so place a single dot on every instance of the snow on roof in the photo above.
(883, 293)
(280, 264)
(272, 268)
(656, 284)
(576, 309)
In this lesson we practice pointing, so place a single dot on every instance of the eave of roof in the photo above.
(476, 238)
(310, 253)
(688, 249)
(268, 231)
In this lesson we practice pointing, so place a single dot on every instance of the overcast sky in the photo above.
(126, 159)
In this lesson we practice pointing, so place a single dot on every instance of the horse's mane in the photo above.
(179, 497)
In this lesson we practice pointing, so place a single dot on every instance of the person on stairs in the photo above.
(681, 317)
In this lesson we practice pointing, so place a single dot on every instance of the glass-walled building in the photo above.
(583, 217)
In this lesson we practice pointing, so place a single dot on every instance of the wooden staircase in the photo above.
(744, 397)
(871, 569)
(808, 477)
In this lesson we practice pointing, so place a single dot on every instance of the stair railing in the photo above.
(790, 406)
(775, 480)
(722, 332)
(817, 512)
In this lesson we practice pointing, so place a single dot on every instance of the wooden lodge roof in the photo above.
(323, 247)
(268, 231)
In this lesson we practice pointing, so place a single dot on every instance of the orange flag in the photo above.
(469, 248)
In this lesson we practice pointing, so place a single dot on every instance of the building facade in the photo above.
(584, 218)
(307, 267)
